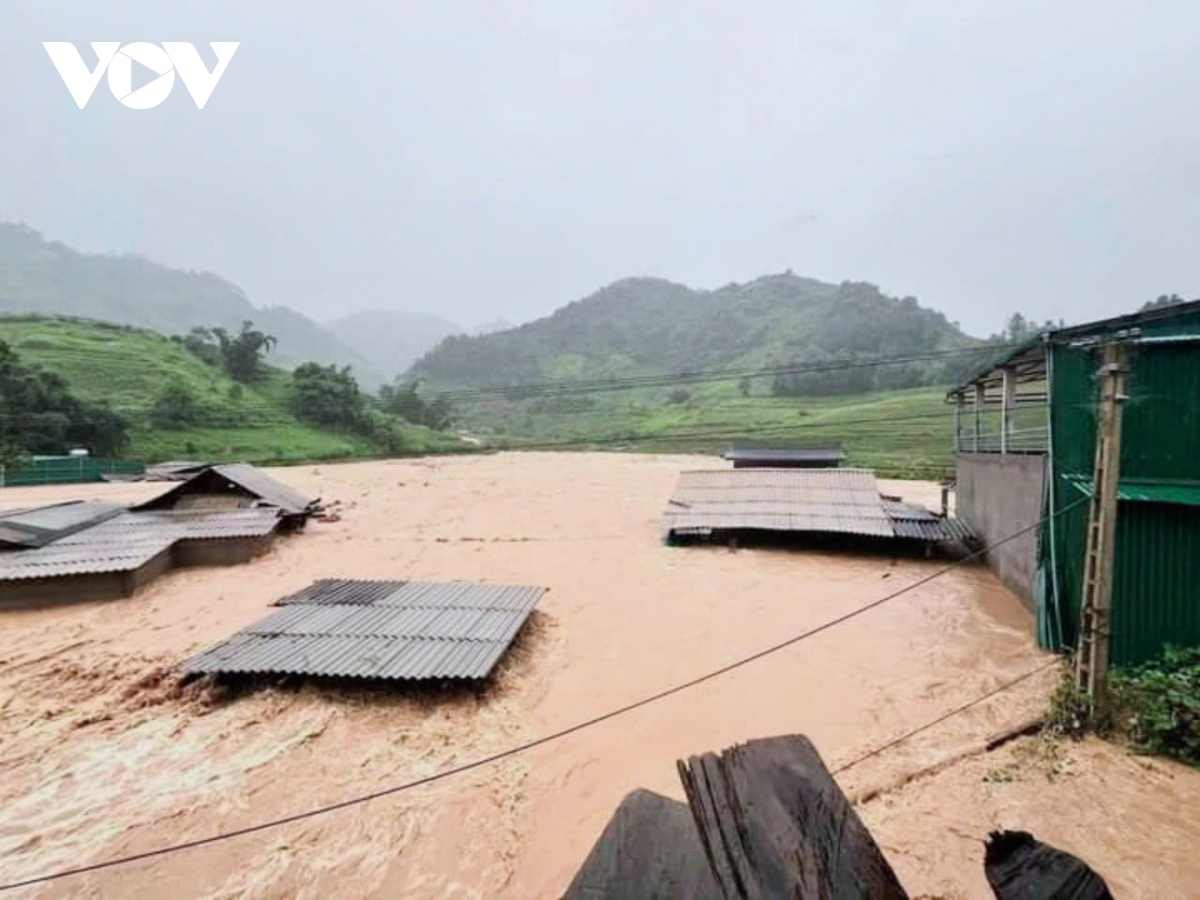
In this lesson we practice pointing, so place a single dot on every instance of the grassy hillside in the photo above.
(901, 433)
(48, 278)
(127, 367)
(643, 326)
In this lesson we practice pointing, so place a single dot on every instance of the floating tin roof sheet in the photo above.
(379, 629)
(128, 541)
(44, 525)
(817, 500)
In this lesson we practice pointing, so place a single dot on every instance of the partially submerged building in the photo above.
(94, 550)
(408, 630)
(1025, 437)
(723, 503)
(234, 486)
(809, 456)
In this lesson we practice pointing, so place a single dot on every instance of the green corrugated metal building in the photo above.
(1156, 579)
(64, 470)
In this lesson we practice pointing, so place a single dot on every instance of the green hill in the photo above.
(647, 326)
(127, 368)
(48, 278)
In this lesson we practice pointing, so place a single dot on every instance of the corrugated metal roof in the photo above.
(128, 541)
(828, 453)
(44, 525)
(379, 629)
(236, 476)
(818, 500)
(337, 592)
(919, 523)
(1181, 492)
(256, 481)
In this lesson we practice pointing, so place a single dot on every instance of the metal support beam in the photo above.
(978, 414)
(957, 420)
(1092, 658)
(1009, 402)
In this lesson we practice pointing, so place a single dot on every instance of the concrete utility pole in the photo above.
(1091, 661)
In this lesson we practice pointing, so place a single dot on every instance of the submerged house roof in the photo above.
(129, 540)
(240, 483)
(818, 501)
(37, 527)
(828, 455)
(379, 629)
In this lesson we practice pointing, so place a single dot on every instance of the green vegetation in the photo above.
(182, 407)
(646, 326)
(1157, 704)
(39, 414)
(48, 278)
(1154, 707)
(898, 433)
(402, 399)
(242, 354)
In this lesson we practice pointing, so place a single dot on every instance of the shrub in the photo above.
(1158, 704)
(679, 395)
(176, 408)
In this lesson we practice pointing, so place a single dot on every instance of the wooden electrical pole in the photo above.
(1091, 670)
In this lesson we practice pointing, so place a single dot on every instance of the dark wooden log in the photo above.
(1000, 738)
(1020, 867)
(774, 823)
(650, 850)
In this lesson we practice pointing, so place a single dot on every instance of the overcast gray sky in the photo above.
(482, 160)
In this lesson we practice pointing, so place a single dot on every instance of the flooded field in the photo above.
(102, 754)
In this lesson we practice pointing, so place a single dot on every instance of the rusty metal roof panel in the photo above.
(379, 629)
(817, 500)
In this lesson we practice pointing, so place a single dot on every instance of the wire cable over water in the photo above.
(578, 727)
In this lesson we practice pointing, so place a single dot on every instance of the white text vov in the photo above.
(118, 60)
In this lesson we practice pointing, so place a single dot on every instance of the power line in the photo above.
(558, 388)
(999, 689)
(545, 739)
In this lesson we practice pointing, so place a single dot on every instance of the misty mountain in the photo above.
(391, 341)
(652, 326)
(50, 278)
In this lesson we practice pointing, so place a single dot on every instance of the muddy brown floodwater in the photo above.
(102, 755)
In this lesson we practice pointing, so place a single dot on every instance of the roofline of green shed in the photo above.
(1099, 328)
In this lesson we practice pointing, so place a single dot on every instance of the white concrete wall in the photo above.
(998, 495)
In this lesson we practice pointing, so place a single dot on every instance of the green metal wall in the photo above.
(65, 470)
(1156, 581)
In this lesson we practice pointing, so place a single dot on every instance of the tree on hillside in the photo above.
(38, 414)
(240, 354)
(401, 399)
(328, 396)
(243, 352)
(201, 344)
(176, 408)
(1164, 300)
